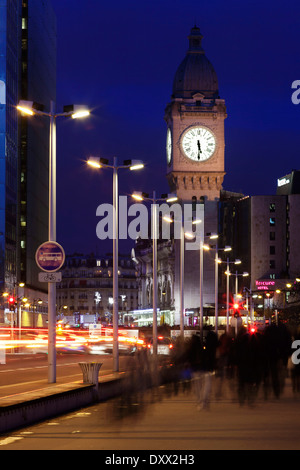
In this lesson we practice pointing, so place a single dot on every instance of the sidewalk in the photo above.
(168, 425)
(175, 423)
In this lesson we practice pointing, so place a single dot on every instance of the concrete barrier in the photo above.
(60, 399)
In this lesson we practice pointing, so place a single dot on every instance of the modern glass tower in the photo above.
(27, 72)
(10, 48)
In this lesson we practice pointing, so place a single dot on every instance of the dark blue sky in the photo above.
(119, 58)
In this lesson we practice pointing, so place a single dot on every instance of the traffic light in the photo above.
(11, 302)
(236, 309)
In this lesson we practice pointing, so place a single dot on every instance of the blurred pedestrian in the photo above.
(202, 359)
(222, 362)
(249, 366)
(277, 349)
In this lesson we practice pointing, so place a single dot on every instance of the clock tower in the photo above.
(195, 127)
(195, 163)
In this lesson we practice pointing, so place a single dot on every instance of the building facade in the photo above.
(28, 72)
(195, 147)
(265, 233)
(85, 294)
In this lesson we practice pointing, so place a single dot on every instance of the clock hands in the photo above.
(199, 149)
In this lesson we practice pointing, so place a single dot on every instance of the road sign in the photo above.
(50, 277)
(50, 256)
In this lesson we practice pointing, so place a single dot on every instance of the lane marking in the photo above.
(10, 440)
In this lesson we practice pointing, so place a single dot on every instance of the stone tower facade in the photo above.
(195, 127)
(195, 160)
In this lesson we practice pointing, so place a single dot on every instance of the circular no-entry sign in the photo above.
(50, 256)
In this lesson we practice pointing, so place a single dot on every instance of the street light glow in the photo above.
(171, 198)
(189, 235)
(25, 110)
(80, 114)
(137, 196)
(136, 166)
(94, 162)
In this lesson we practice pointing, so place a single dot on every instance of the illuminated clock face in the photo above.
(198, 144)
(169, 146)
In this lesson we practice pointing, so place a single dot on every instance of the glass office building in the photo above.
(10, 11)
(27, 72)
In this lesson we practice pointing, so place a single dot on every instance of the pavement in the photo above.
(165, 421)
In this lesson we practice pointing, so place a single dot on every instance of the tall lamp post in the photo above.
(31, 108)
(237, 261)
(99, 163)
(189, 235)
(139, 196)
(237, 275)
(217, 261)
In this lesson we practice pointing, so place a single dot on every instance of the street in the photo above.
(163, 423)
(23, 373)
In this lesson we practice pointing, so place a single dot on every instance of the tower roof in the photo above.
(195, 73)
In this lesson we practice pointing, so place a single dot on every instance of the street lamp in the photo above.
(244, 274)
(227, 272)
(99, 163)
(31, 108)
(213, 236)
(188, 235)
(139, 196)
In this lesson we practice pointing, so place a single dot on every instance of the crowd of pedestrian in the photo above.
(241, 365)
(238, 367)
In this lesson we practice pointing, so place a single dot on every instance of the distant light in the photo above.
(227, 248)
(167, 219)
(197, 221)
(189, 235)
(206, 247)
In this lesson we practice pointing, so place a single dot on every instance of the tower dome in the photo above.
(195, 74)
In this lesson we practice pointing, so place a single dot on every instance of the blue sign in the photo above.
(50, 256)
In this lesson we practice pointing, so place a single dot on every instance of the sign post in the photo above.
(50, 257)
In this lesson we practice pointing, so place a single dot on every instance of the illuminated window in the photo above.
(272, 207)
(272, 221)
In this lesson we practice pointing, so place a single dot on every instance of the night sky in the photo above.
(119, 58)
